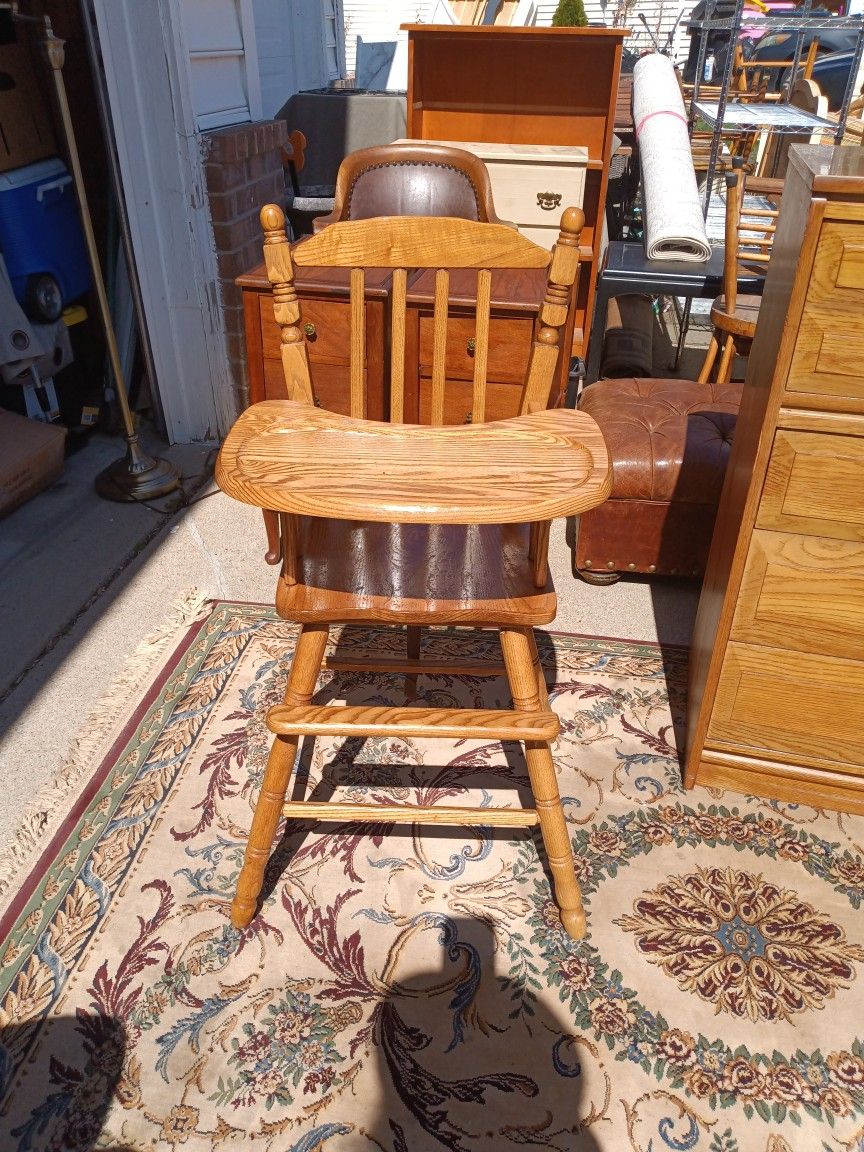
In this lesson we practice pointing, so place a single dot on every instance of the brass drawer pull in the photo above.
(471, 345)
(548, 200)
(309, 329)
(469, 418)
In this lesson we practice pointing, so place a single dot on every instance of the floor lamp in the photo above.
(136, 476)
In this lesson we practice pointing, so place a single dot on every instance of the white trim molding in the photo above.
(146, 67)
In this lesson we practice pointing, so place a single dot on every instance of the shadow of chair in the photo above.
(416, 526)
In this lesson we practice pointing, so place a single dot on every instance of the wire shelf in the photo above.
(776, 117)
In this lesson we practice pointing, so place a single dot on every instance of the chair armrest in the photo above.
(292, 457)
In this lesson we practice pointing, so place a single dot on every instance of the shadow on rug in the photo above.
(409, 989)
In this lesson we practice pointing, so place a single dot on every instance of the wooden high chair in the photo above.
(410, 525)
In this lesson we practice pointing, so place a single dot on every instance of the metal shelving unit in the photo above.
(759, 116)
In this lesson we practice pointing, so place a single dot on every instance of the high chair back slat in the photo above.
(439, 346)
(481, 346)
(397, 346)
(358, 344)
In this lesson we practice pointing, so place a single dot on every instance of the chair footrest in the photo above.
(452, 723)
(405, 814)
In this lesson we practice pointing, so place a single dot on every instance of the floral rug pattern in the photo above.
(410, 989)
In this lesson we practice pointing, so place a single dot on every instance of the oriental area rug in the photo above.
(410, 989)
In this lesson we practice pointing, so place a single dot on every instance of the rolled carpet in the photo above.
(674, 225)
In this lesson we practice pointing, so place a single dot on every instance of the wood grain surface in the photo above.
(447, 723)
(292, 457)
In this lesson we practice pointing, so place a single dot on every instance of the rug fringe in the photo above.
(89, 747)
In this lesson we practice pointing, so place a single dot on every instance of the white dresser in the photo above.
(532, 184)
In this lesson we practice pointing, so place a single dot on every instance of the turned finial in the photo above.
(272, 221)
(572, 222)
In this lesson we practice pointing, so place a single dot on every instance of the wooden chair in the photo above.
(749, 236)
(411, 180)
(448, 525)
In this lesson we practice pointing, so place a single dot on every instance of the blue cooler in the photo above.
(41, 238)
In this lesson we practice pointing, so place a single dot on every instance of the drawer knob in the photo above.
(471, 345)
(469, 418)
(548, 200)
(309, 329)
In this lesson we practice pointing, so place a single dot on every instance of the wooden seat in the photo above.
(749, 235)
(416, 526)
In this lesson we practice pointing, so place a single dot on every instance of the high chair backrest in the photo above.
(411, 179)
(405, 244)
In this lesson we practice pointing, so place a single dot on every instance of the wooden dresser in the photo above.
(514, 85)
(776, 702)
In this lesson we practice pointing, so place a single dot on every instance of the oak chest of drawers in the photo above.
(777, 666)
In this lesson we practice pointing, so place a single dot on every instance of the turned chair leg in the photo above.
(724, 371)
(710, 357)
(305, 666)
(524, 674)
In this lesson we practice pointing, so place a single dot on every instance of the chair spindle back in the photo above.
(405, 244)
(750, 228)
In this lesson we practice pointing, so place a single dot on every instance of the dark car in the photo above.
(779, 45)
(831, 73)
(827, 70)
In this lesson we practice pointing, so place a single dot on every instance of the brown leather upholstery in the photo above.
(411, 180)
(669, 441)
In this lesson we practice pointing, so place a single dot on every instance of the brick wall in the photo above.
(243, 168)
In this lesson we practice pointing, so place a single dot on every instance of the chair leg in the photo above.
(274, 540)
(724, 371)
(524, 672)
(305, 666)
(710, 357)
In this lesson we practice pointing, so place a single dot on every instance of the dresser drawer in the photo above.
(838, 268)
(509, 347)
(793, 706)
(331, 384)
(533, 193)
(802, 592)
(829, 350)
(815, 485)
(502, 401)
(329, 319)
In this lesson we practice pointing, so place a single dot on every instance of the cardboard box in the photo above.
(26, 134)
(31, 458)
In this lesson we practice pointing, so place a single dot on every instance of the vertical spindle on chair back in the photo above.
(412, 243)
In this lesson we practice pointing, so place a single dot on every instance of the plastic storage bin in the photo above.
(41, 238)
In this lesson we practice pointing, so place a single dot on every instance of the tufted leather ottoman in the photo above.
(669, 441)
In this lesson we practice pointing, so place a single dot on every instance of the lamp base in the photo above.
(137, 476)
